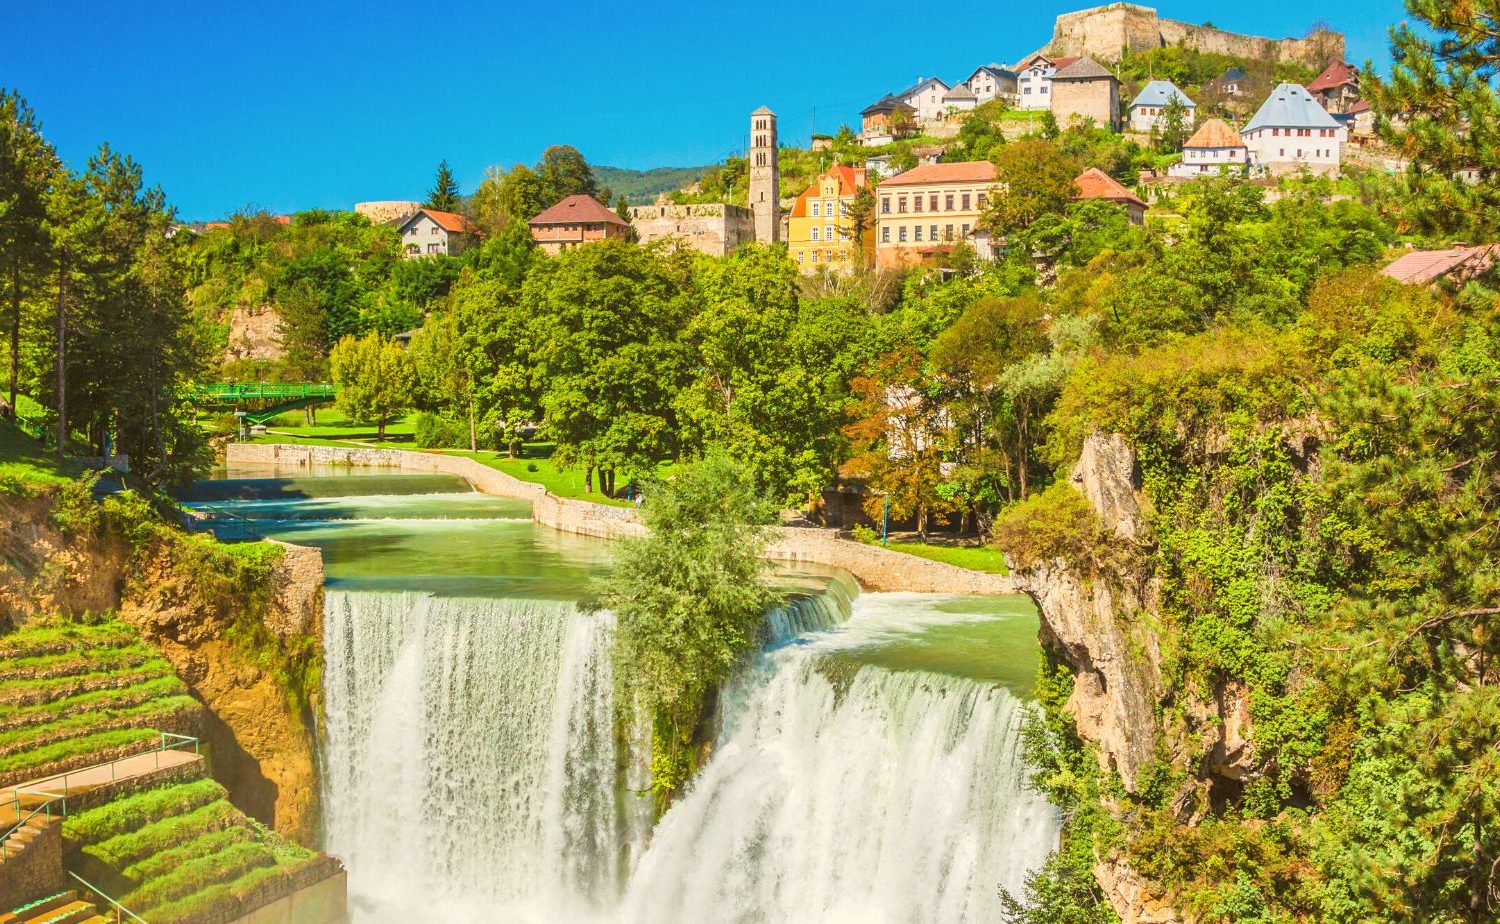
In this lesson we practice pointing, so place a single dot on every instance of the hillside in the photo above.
(643, 186)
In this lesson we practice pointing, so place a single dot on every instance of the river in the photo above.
(866, 764)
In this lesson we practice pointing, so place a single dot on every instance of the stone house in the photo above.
(428, 232)
(1215, 148)
(885, 120)
(1150, 106)
(1086, 90)
(1364, 119)
(991, 81)
(576, 220)
(711, 228)
(1337, 88)
(1094, 183)
(820, 230)
(1291, 132)
(1034, 81)
(924, 212)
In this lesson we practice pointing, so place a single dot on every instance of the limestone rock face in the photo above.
(254, 333)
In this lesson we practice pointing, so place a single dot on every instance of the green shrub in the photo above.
(1057, 523)
(865, 534)
(434, 431)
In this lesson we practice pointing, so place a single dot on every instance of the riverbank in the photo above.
(875, 568)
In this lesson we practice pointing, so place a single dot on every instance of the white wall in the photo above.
(1286, 148)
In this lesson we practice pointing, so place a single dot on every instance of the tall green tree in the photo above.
(444, 193)
(374, 377)
(27, 165)
(1032, 178)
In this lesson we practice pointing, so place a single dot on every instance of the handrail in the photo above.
(23, 820)
(100, 892)
(262, 390)
(162, 746)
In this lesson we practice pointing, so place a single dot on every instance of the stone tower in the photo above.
(765, 179)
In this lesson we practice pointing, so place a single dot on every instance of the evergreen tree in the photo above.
(27, 163)
(444, 194)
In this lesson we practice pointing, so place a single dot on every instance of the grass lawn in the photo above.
(333, 426)
(24, 463)
(561, 482)
(975, 558)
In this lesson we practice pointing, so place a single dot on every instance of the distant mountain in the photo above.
(642, 187)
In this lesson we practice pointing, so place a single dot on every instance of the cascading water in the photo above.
(471, 763)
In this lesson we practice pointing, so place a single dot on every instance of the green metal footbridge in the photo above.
(259, 402)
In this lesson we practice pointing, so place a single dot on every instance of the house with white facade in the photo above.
(1034, 81)
(1291, 131)
(1149, 107)
(429, 232)
(926, 97)
(991, 81)
(1214, 149)
(959, 99)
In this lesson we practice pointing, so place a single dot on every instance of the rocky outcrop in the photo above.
(41, 571)
(1105, 32)
(254, 334)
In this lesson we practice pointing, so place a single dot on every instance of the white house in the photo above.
(1291, 131)
(1148, 108)
(431, 232)
(1214, 148)
(991, 81)
(1034, 81)
(926, 97)
(959, 99)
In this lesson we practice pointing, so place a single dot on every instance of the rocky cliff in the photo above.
(1105, 32)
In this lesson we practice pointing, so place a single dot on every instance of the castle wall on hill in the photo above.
(1105, 32)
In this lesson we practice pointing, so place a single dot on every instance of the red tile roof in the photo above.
(1334, 75)
(969, 171)
(1094, 183)
(578, 210)
(1055, 62)
(448, 221)
(850, 180)
(1424, 266)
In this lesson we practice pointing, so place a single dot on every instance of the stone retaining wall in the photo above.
(875, 568)
(33, 870)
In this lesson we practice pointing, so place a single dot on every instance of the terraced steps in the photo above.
(72, 695)
(62, 908)
(183, 852)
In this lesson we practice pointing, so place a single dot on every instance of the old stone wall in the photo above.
(875, 568)
(1081, 100)
(254, 333)
(1105, 32)
(325, 901)
(716, 230)
(33, 870)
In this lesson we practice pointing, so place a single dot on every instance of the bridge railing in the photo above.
(261, 391)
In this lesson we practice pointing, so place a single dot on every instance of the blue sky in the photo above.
(293, 105)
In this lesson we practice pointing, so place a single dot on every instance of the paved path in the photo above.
(76, 781)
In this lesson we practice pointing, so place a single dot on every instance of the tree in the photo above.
(1171, 128)
(563, 172)
(1439, 106)
(27, 163)
(444, 193)
(374, 378)
(689, 601)
(862, 221)
(1032, 178)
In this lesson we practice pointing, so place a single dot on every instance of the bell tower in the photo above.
(765, 178)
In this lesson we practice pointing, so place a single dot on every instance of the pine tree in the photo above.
(27, 163)
(444, 195)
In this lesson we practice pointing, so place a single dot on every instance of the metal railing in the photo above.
(261, 391)
(118, 908)
(168, 742)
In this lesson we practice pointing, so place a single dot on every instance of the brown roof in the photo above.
(1094, 183)
(969, 171)
(1335, 75)
(1359, 105)
(1424, 266)
(448, 221)
(1055, 62)
(578, 210)
(1083, 69)
(1215, 133)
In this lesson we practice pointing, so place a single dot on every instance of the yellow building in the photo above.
(925, 211)
(820, 232)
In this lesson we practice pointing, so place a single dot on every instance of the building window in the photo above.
(948, 202)
(1026, 91)
(947, 232)
(434, 230)
(932, 232)
(982, 199)
(815, 210)
(966, 230)
(815, 255)
(828, 232)
(885, 205)
(885, 234)
(432, 248)
(966, 201)
(901, 203)
(916, 203)
(800, 256)
(932, 203)
(917, 233)
(901, 233)
(815, 233)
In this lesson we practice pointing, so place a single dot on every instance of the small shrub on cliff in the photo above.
(1057, 523)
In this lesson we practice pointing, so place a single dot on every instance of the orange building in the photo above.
(820, 231)
(576, 220)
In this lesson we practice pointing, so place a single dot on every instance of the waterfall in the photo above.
(471, 762)
(845, 792)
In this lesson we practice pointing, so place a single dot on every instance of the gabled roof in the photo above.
(919, 86)
(1083, 69)
(1094, 183)
(1233, 75)
(1358, 106)
(1161, 93)
(959, 92)
(1334, 75)
(994, 70)
(448, 221)
(578, 210)
(1423, 266)
(886, 103)
(764, 110)
(1055, 62)
(1290, 106)
(969, 171)
(1215, 133)
(850, 180)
